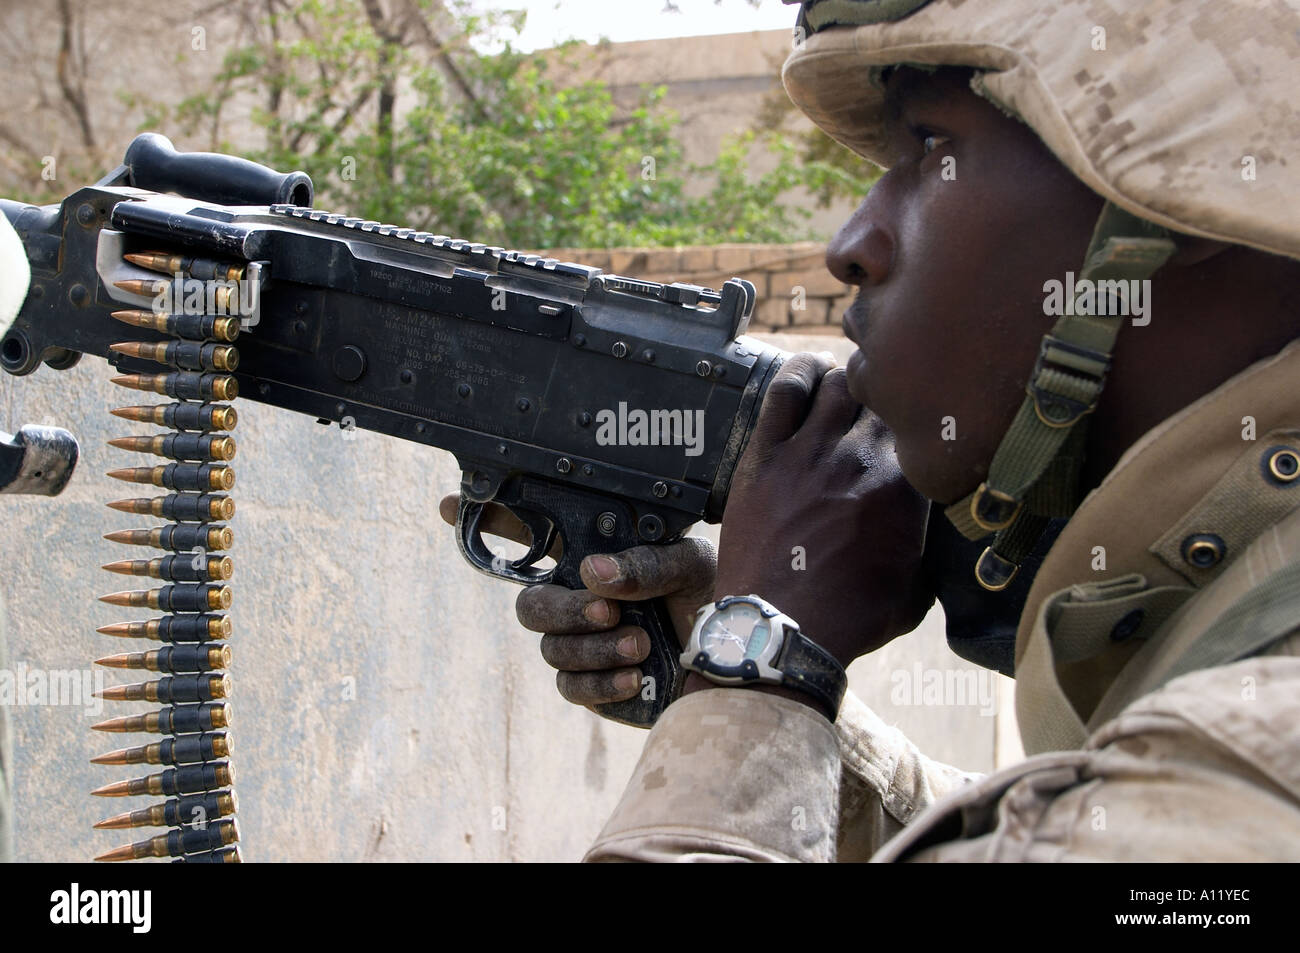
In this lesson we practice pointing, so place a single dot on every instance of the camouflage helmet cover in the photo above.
(1182, 112)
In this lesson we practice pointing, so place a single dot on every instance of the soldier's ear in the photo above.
(1192, 250)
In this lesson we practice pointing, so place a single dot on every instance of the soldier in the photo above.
(1066, 181)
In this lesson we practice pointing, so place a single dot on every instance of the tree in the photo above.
(398, 119)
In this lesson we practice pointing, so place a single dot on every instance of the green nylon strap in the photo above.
(1269, 612)
(1018, 540)
(1056, 494)
(959, 516)
(1076, 353)
(1066, 382)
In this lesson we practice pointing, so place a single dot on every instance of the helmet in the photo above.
(1182, 112)
(1177, 112)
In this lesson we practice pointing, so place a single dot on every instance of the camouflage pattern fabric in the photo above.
(1182, 112)
(1203, 768)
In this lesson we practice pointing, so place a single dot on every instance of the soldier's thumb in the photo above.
(646, 572)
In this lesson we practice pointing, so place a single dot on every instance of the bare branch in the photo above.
(73, 92)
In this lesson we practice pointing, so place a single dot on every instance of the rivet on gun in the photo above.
(463, 390)
(523, 405)
(264, 388)
(349, 362)
(606, 523)
(407, 377)
(588, 469)
(619, 349)
(479, 484)
(720, 370)
(502, 449)
(704, 368)
(301, 308)
(650, 527)
(564, 465)
(85, 215)
(579, 340)
(300, 326)
(648, 356)
(78, 295)
(660, 489)
(676, 492)
(584, 419)
(421, 427)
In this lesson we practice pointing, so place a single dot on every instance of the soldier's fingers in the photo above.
(598, 652)
(497, 521)
(790, 396)
(834, 410)
(557, 609)
(647, 572)
(598, 688)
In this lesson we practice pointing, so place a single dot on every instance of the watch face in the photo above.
(735, 634)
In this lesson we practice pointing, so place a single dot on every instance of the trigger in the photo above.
(543, 532)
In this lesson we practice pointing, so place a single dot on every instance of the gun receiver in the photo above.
(604, 410)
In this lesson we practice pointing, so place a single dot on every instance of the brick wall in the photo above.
(777, 271)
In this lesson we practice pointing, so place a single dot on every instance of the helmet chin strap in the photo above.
(1034, 475)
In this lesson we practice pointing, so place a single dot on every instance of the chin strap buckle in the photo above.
(992, 509)
(995, 572)
(1071, 386)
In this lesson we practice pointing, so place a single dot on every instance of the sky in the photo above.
(552, 21)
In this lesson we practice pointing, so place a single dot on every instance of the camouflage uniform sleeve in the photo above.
(1203, 770)
(730, 774)
(885, 780)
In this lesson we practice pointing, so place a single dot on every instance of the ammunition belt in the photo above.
(193, 657)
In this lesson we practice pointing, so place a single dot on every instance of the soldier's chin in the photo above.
(929, 476)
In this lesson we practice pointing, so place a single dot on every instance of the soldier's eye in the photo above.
(932, 142)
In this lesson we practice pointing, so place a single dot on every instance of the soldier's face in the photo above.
(951, 249)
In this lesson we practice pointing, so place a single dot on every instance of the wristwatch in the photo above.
(743, 640)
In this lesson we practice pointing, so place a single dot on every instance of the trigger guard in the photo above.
(470, 540)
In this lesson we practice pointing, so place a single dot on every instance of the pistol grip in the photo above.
(661, 672)
(546, 509)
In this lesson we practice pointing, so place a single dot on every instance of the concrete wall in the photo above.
(388, 706)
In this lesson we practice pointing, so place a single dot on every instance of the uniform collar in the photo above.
(1185, 479)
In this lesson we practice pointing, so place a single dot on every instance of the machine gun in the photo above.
(603, 411)
(555, 385)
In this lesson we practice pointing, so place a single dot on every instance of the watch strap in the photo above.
(807, 667)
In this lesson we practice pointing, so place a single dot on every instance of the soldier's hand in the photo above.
(820, 521)
(582, 637)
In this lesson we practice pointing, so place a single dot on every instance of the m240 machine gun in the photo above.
(603, 411)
